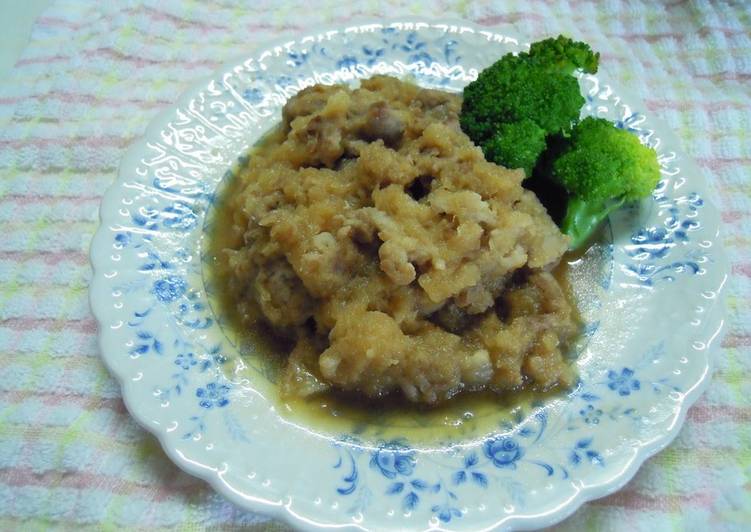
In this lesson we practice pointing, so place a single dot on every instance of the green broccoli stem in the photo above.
(584, 217)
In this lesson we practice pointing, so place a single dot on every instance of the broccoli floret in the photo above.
(521, 110)
(535, 86)
(565, 55)
(602, 168)
(516, 145)
(513, 89)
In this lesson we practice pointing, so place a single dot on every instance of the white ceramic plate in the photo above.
(649, 295)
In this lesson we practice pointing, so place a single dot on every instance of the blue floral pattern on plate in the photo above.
(215, 412)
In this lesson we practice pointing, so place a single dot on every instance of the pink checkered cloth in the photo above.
(95, 74)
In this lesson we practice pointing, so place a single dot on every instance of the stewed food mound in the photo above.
(374, 234)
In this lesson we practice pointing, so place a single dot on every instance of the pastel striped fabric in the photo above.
(95, 74)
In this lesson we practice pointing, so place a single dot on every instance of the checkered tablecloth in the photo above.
(95, 74)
